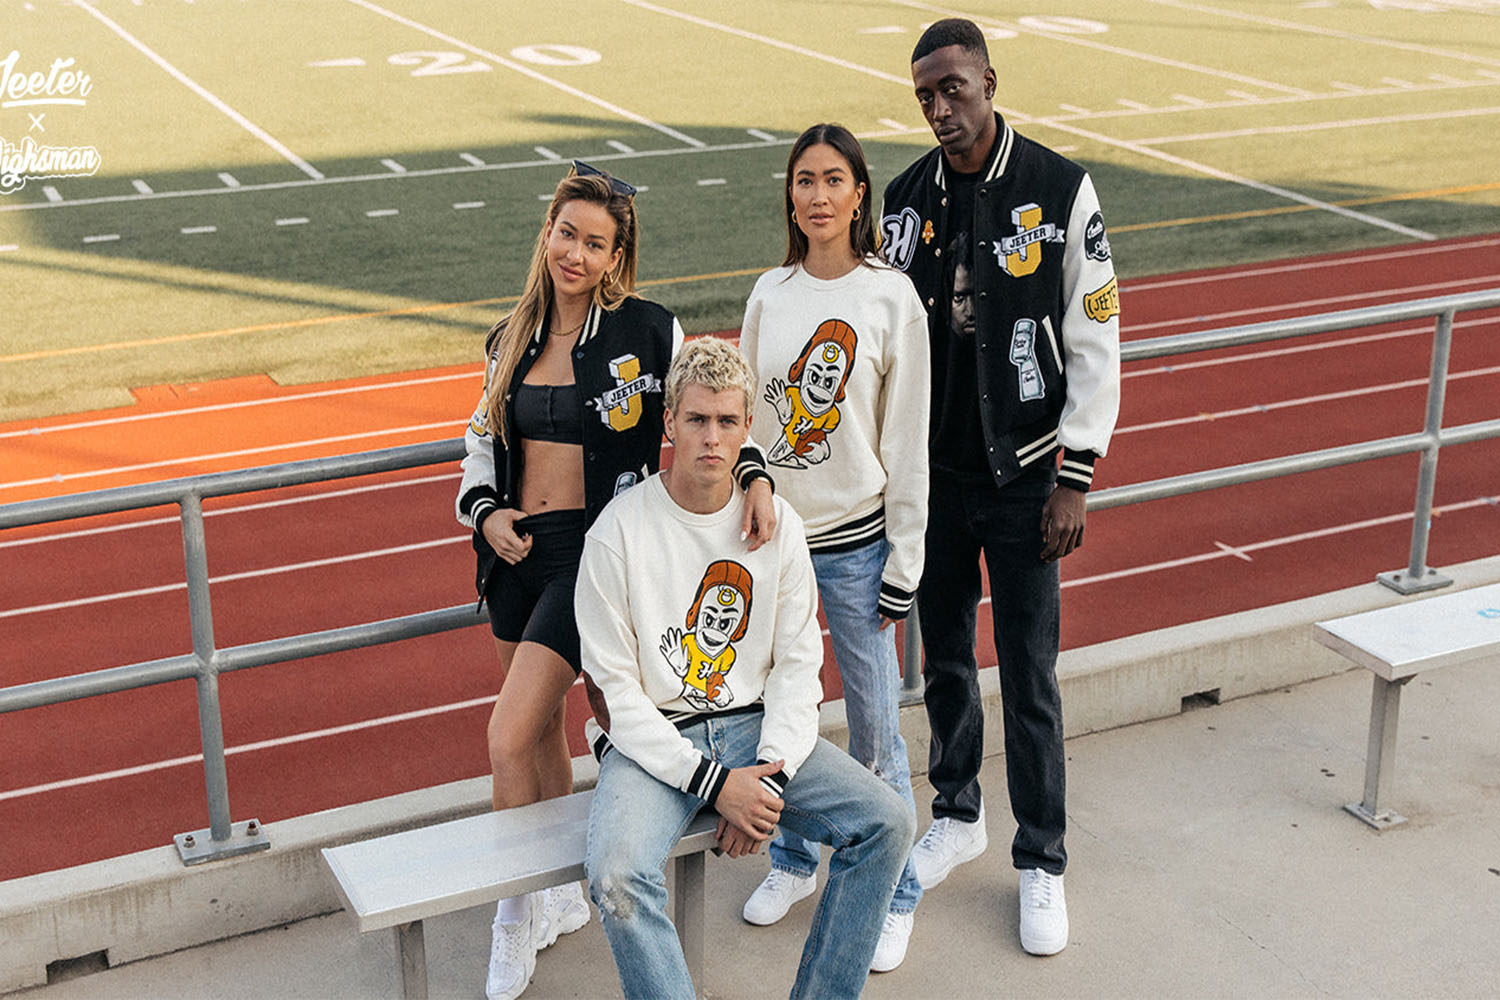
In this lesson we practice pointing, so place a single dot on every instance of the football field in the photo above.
(324, 189)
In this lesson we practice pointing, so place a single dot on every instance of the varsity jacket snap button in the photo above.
(938, 252)
(929, 302)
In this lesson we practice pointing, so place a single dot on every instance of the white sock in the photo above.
(512, 910)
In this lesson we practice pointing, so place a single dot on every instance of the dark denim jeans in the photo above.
(1004, 525)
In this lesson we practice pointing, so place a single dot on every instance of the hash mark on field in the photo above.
(229, 180)
(393, 166)
(779, 175)
(468, 204)
(1244, 95)
(381, 213)
(546, 153)
(1134, 105)
(300, 220)
(141, 186)
(1065, 149)
(1397, 82)
(51, 193)
(1188, 99)
(1074, 109)
(712, 181)
(619, 146)
(892, 123)
(198, 230)
(102, 238)
(1452, 81)
(1351, 88)
(884, 29)
(756, 133)
(471, 159)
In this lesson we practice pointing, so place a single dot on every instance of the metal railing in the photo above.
(204, 665)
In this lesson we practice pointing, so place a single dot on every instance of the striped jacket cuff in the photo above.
(750, 466)
(483, 508)
(470, 503)
(895, 603)
(707, 781)
(774, 783)
(1077, 469)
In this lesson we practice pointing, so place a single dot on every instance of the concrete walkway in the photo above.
(1209, 857)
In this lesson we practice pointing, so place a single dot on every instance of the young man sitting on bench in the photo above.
(705, 657)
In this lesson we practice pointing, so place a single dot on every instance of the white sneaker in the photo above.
(774, 896)
(563, 911)
(947, 843)
(891, 948)
(1044, 912)
(512, 954)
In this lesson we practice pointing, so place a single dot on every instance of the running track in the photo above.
(92, 779)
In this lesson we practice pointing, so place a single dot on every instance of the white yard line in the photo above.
(203, 92)
(524, 70)
(1346, 36)
(1241, 133)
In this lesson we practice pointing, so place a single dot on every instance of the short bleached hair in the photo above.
(713, 363)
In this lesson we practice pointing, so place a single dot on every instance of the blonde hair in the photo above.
(510, 336)
(712, 363)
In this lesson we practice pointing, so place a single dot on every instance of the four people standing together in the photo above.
(911, 400)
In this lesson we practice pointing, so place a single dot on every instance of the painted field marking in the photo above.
(203, 92)
(618, 146)
(1352, 88)
(155, 522)
(382, 213)
(1075, 109)
(228, 179)
(198, 230)
(1189, 100)
(1269, 543)
(393, 166)
(141, 186)
(1313, 29)
(471, 159)
(1397, 82)
(712, 181)
(1245, 96)
(51, 194)
(1261, 213)
(546, 153)
(296, 220)
(1286, 404)
(102, 238)
(238, 453)
(756, 133)
(461, 205)
(1133, 105)
(1241, 133)
(10, 248)
(517, 67)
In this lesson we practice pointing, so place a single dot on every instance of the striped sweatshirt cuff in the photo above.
(1077, 469)
(895, 603)
(707, 781)
(774, 783)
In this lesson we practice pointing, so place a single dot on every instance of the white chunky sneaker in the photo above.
(891, 949)
(947, 843)
(1044, 912)
(774, 896)
(563, 911)
(512, 954)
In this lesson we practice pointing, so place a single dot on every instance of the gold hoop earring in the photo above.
(794, 215)
(856, 213)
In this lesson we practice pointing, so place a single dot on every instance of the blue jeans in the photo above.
(1004, 525)
(849, 586)
(635, 819)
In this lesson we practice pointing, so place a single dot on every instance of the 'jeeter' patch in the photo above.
(1103, 304)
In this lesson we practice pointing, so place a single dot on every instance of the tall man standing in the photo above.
(1005, 243)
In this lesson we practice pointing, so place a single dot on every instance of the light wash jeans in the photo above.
(635, 819)
(849, 586)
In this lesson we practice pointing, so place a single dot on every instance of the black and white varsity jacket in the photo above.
(619, 364)
(1047, 338)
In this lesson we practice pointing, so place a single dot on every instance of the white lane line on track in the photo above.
(261, 450)
(195, 87)
(1221, 552)
(121, 595)
(221, 511)
(1283, 404)
(514, 66)
(1308, 306)
(477, 373)
(1239, 551)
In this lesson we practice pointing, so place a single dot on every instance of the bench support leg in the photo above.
(411, 947)
(1380, 755)
(688, 911)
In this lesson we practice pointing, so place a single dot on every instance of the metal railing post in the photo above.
(1417, 577)
(911, 660)
(221, 840)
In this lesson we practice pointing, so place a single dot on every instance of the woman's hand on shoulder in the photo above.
(499, 530)
(760, 514)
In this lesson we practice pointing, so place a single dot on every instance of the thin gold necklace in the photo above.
(568, 333)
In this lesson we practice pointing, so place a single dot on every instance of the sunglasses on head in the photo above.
(624, 190)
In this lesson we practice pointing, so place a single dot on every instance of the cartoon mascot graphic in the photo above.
(704, 654)
(806, 407)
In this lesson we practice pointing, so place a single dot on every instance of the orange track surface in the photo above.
(91, 779)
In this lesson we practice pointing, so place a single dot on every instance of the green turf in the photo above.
(1413, 143)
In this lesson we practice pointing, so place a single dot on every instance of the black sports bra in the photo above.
(549, 413)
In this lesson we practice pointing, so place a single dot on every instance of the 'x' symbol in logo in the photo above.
(36, 122)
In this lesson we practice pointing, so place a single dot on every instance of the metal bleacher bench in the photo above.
(400, 879)
(1396, 644)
